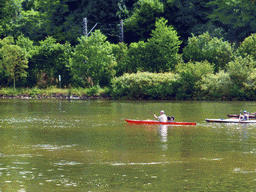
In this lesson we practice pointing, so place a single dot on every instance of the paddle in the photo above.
(241, 115)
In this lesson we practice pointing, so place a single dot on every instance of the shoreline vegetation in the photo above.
(55, 93)
(195, 82)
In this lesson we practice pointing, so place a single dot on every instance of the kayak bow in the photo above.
(157, 122)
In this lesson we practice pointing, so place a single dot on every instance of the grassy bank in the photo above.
(53, 92)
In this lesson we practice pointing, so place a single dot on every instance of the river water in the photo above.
(51, 145)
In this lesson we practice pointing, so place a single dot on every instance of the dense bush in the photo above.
(250, 86)
(191, 74)
(240, 69)
(212, 49)
(145, 85)
(216, 85)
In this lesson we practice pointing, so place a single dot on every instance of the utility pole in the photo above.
(121, 30)
(85, 26)
(85, 32)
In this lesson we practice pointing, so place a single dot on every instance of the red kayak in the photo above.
(157, 122)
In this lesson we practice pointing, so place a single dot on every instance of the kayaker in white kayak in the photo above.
(244, 117)
(162, 117)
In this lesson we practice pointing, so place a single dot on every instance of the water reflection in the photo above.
(163, 129)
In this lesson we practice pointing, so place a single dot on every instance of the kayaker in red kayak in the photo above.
(170, 119)
(162, 117)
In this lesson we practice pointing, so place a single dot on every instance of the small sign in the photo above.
(59, 78)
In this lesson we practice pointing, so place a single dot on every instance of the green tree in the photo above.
(142, 21)
(3, 14)
(136, 56)
(158, 54)
(13, 9)
(120, 51)
(30, 24)
(248, 46)
(236, 17)
(48, 61)
(26, 44)
(189, 16)
(13, 62)
(212, 49)
(239, 70)
(162, 47)
(63, 20)
(93, 58)
(9, 12)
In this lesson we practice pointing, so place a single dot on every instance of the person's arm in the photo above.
(156, 116)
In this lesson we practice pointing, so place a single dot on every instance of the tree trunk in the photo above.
(14, 82)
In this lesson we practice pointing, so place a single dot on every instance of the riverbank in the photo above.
(57, 96)
(55, 93)
(97, 93)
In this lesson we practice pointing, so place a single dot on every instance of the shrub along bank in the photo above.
(55, 93)
(191, 81)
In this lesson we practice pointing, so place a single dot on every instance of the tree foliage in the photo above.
(3, 14)
(248, 46)
(48, 61)
(30, 24)
(240, 69)
(63, 20)
(120, 51)
(236, 17)
(188, 16)
(159, 53)
(145, 85)
(93, 58)
(26, 44)
(216, 85)
(163, 47)
(191, 74)
(139, 25)
(13, 62)
(212, 49)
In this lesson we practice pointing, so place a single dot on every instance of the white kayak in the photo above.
(230, 121)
